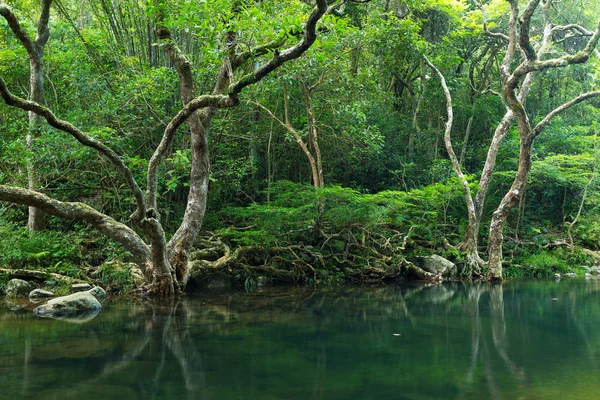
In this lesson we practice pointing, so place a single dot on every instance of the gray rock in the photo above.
(80, 287)
(588, 275)
(71, 305)
(557, 277)
(39, 293)
(587, 269)
(436, 265)
(97, 292)
(19, 288)
(262, 281)
(569, 275)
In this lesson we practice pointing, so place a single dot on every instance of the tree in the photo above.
(35, 51)
(165, 264)
(519, 38)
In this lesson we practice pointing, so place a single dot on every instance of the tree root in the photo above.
(38, 275)
(412, 269)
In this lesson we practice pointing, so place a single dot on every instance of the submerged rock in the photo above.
(40, 293)
(80, 287)
(19, 288)
(71, 305)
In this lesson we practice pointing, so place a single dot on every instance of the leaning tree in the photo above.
(165, 264)
(513, 77)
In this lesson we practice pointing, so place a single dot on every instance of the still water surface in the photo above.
(522, 340)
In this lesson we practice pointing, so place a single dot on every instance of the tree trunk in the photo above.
(499, 217)
(37, 220)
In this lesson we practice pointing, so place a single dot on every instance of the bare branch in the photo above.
(497, 35)
(448, 141)
(524, 39)
(542, 124)
(512, 42)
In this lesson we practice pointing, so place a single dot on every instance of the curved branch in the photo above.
(17, 29)
(542, 124)
(497, 35)
(448, 142)
(279, 58)
(569, 59)
(117, 231)
(81, 137)
(217, 101)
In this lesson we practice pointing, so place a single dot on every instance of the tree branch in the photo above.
(217, 101)
(542, 124)
(279, 58)
(524, 39)
(15, 26)
(69, 210)
(81, 137)
(43, 33)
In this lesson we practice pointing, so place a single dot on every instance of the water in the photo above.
(523, 340)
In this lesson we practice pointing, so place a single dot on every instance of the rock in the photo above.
(557, 276)
(80, 287)
(569, 275)
(588, 275)
(39, 294)
(97, 292)
(436, 265)
(594, 254)
(262, 281)
(587, 269)
(19, 288)
(71, 305)
(595, 270)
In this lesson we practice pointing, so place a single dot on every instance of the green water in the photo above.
(523, 340)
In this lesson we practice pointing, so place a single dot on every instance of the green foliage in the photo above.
(541, 263)
(20, 248)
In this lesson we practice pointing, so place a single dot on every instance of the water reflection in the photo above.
(458, 341)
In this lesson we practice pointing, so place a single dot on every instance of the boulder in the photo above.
(80, 287)
(71, 305)
(436, 265)
(19, 288)
(97, 292)
(40, 293)
(569, 275)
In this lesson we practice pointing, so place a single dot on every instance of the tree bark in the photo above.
(35, 48)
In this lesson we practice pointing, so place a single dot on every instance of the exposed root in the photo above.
(420, 273)
(38, 275)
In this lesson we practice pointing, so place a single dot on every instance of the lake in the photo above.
(520, 340)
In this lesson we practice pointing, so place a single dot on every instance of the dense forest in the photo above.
(175, 144)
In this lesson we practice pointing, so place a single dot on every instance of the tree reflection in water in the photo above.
(463, 341)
